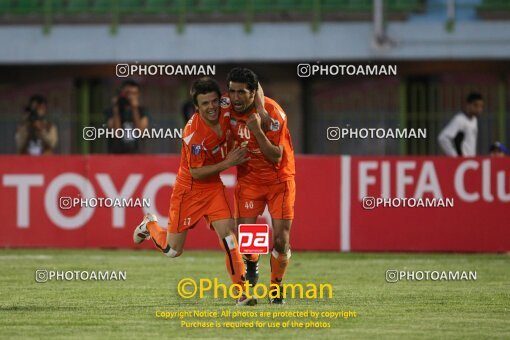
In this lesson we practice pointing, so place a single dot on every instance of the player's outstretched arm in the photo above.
(235, 157)
(272, 152)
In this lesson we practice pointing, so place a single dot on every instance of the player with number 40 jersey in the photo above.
(260, 124)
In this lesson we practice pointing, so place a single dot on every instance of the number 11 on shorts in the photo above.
(253, 238)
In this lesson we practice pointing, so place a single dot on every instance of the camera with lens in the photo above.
(123, 102)
(33, 116)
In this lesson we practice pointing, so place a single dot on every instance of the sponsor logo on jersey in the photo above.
(195, 149)
(224, 102)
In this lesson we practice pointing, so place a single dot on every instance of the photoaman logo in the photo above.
(253, 238)
(189, 288)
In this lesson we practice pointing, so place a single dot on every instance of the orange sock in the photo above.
(279, 263)
(233, 259)
(252, 257)
(158, 235)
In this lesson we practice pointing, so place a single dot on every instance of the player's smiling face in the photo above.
(208, 105)
(240, 97)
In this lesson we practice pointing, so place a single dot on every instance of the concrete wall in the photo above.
(268, 42)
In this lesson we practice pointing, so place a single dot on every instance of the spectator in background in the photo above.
(498, 150)
(459, 137)
(36, 135)
(126, 113)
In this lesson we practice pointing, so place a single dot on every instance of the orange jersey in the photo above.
(201, 146)
(260, 170)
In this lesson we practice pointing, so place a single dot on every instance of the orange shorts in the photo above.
(251, 200)
(188, 206)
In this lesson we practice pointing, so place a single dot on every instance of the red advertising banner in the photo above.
(479, 190)
(35, 191)
(343, 203)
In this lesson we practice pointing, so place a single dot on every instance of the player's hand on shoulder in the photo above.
(237, 156)
(259, 99)
(259, 106)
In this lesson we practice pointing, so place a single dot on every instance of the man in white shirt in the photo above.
(459, 137)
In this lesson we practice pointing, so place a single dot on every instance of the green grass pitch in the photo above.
(126, 309)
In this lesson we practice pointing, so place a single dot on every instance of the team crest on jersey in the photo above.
(233, 121)
(275, 125)
(195, 149)
(224, 102)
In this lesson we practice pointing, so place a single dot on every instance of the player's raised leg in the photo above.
(171, 244)
(280, 255)
(141, 233)
(233, 259)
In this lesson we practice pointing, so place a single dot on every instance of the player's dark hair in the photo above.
(204, 85)
(473, 97)
(129, 82)
(37, 98)
(243, 75)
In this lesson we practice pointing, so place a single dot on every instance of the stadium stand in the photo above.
(56, 11)
(494, 9)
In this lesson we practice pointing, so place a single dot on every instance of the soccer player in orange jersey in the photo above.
(268, 177)
(198, 191)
